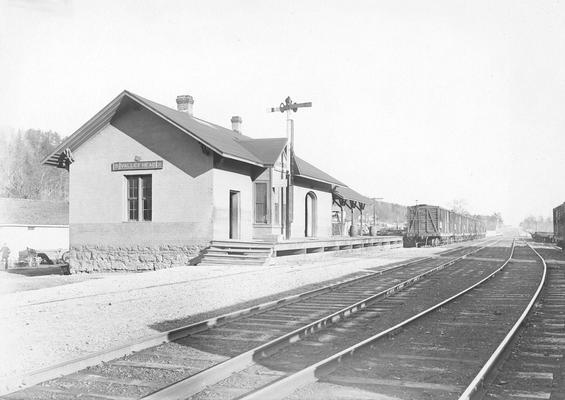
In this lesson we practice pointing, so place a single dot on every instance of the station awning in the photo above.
(345, 195)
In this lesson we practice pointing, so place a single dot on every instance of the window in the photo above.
(139, 198)
(261, 203)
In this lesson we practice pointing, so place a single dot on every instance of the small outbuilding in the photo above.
(33, 224)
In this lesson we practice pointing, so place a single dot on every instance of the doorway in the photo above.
(234, 214)
(310, 214)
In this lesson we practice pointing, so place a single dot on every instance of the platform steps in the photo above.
(237, 252)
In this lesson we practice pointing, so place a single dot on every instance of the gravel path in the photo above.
(51, 319)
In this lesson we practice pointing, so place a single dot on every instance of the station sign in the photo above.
(136, 165)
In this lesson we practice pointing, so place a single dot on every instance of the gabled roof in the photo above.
(221, 140)
(267, 150)
(225, 142)
(33, 212)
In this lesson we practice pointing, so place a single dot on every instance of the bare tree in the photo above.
(537, 224)
(459, 206)
(23, 175)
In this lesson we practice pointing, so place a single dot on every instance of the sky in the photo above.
(427, 101)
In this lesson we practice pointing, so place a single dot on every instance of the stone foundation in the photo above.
(132, 258)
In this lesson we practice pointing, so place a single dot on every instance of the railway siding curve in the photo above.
(534, 365)
(440, 354)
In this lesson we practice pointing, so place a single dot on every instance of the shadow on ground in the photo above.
(40, 271)
(244, 340)
(168, 325)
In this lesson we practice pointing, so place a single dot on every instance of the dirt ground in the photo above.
(49, 319)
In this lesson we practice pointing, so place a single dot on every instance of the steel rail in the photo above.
(477, 383)
(288, 384)
(197, 382)
(18, 382)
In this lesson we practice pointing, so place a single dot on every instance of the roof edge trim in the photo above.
(76, 135)
(318, 179)
(80, 135)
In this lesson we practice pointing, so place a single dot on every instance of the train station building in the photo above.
(152, 187)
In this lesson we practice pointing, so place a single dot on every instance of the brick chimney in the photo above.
(185, 103)
(236, 123)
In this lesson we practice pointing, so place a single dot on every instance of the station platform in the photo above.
(317, 245)
(257, 252)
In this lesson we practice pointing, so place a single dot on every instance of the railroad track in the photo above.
(225, 344)
(446, 352)
(533, 366)
(275, 375)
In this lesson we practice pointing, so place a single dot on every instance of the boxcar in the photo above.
(559, 225)
(433, 226)
(543, 237)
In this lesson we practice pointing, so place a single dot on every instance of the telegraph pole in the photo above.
(287, 106)
(375, 216)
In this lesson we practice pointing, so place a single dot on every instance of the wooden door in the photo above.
(234, 214)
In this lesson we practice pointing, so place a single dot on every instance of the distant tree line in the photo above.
(382, 213)
(537, 224)
(21, 173)
(492, 222)
(460, 207)
(393, 215)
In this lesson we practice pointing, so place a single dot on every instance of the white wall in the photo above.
(182, 204)
(324, 212)
(224, 181)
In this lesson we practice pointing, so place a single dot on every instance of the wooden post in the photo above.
(351, 203)
(361, 207)
(341, 221)
(287, 106)
(288, 219)
(290, 183)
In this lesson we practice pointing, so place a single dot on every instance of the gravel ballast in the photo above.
(47, 320)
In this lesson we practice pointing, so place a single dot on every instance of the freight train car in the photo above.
(543, 237)
(559, 225)
(433, 226)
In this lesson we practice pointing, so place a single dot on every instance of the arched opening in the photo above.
(310, 214)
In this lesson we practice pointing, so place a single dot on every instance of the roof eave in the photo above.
(96, 123)
(190, 133)
(353, 196)
(320, 180)
(262, 165)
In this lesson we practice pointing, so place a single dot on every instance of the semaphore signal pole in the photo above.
(287, 106)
